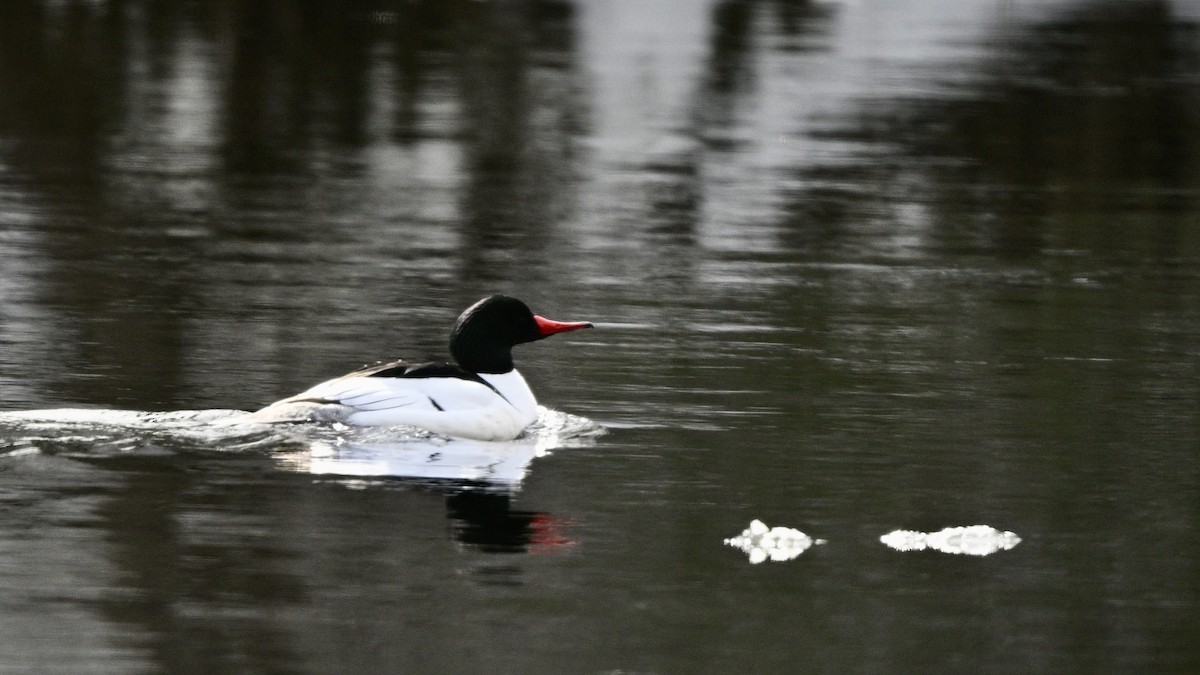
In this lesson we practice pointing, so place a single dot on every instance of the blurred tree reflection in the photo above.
(148, 135)
(1072, 132)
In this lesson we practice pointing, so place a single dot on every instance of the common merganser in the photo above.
(481, 398)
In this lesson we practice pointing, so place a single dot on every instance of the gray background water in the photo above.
(859, 266)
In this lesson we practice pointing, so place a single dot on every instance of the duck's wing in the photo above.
(406, 370)
(365, 393)
(399, 384)
(395, 392)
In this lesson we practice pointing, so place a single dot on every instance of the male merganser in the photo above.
(482, 398)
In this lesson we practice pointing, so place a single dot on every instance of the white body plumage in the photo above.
(445, 405)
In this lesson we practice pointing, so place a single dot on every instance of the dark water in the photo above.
(856, 267)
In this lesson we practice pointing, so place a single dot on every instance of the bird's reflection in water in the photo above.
(498, 466)
(480, 481)
(488, 522)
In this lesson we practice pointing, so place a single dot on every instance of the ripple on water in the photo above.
(337, 450)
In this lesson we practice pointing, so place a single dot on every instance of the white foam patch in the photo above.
(978, 540)
(777, 544)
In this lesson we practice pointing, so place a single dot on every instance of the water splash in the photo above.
(366, 452)
(99, 432)
(978, 540)
(777, 544)
(332, 450)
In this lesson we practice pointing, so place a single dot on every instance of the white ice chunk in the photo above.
(778, 544)
(976, 540)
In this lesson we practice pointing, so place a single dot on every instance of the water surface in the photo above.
(855, 268)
